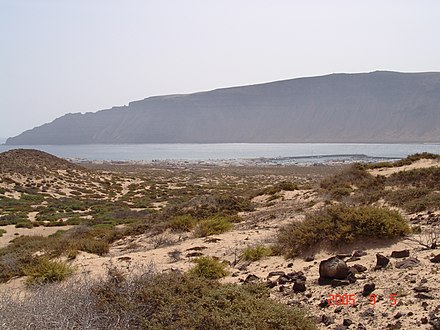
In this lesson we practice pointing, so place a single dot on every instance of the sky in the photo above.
(63, 56)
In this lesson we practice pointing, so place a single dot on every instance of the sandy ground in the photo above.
(12, 232)
(422, 163)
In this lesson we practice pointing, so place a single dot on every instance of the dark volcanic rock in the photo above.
(358, 254)
(299, 286)
(407, 263)
(381, 261)
(400, 254)
(333, 268)
(251, 278)
(360, 268)
(368, 288)
(276, 273)
(436, 259)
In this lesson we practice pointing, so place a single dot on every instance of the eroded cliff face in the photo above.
(366, 107)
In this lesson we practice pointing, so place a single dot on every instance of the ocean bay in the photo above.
(279, 152)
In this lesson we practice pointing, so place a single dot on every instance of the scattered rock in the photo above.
(327, 320)
(381, 261)
(398, 315)
(368, 288)
(283, 279)
(436, 259)
(251, 278)
(352, 259)
(296, 276)
(324, 303)
(197, 248)
(338, 309)
(333, 268)
(124, 258)
(423, 296)
(358, 253)
(361, 327)
(421, 289)
(368, 313)
(212, 240)
(424, 320)
(360, 268)
(276, 273)
(347, 322)
(244, 266)
(290, 264)
(299, 286)
(407, 263)
(400, 254)
(270, 284)
(309, 258)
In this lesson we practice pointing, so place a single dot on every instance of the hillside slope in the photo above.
(368, 107)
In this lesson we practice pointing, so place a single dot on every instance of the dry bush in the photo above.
(146, 300)
(340, 224)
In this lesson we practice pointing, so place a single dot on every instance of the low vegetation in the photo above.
(213, 225)
(340, 224)
(208, 267)
(255, 253)
(47, 271)
(151, 301)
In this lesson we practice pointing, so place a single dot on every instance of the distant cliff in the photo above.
(380, 106)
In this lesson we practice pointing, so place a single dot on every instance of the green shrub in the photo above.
(183, 223)
(2, 231)
(212, 226)
(340, 224)
(47, 271)
(356, 181)
(181, 301)
(276, 188)
(254, 253)
(209, 268)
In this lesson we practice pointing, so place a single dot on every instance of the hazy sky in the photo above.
(60, 56)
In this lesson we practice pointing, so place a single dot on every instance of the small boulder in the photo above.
(251, 278)
(299, 286)
(333, 268)
(400, 254)
(381, 261)
(407, 263)
(358, 254)
(436, 259)
(360, 268)
(276, 273)
(368, 288)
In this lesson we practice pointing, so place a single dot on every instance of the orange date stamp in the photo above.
(350, 299)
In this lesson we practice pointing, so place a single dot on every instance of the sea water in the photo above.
(281, 152)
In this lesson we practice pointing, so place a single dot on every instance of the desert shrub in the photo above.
(183, 223)
(364, 187)
(2, 231)
(207, 205)
(414, 199)
(405, 161)
(254, 253)
(212, 226)
(149, 301)
(208, 267)
(421, 177)
(339, 224)
(276, 188)
(24, 224)
(47, 271)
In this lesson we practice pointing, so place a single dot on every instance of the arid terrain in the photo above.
(265, 225)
